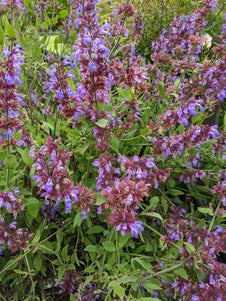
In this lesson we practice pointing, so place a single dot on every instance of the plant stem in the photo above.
(213, 219)
(29, 270)
(55, 124)
(169, 269)
(116, 239)
(105, 253)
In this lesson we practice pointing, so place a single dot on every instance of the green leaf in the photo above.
(90, 270)
(153, 214)
(56, 262)
(109, 246)
(171, 182)
(100, 199)
(88, 279)
(102, 123)
(127, 279)
(189, 247)
(144, 263)
(150, 286)
(10, 162)
(167, 278)
(27, 3)
(73, 297)
(37, 237)
(175, 192)
(177, 84)
(126, 94)
(119, 290)
(154, 202)
(205, 211)
(149, 299)
(9, 31)
(37, 262)
(77, 220)
(155, 281)
(114, 144)
(91, 248)
(61, 272)
(64, 253)
(175, 95)
(1, 35)
(162, 92)
(63, 13)
(144, 131)
(47, 126)
(32, 204)
(122, 241)
(96, 229)
(181, 272)
(164, 204)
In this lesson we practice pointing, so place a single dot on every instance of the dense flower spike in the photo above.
(52, 175)
(11, 101)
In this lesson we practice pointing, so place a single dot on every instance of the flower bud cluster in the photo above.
(68, 282)
(84, 199)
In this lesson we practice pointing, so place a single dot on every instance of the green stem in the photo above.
(51, 251)
(169, 269)
(30, 274)
(213, 219)
(55, 124)
(153, 230)
(116, 239)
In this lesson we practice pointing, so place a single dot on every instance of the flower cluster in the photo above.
(52, 175)
(220, 188)
(144, 168)
(11, 202)
(174, 145)
(58, 83)
(84, 199)
(124, 221)
(88, 293)
(68, 282)
(107, 174)
(11, 236)
(124, 198)
(11, 102)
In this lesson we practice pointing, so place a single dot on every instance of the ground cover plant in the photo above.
(113, 182)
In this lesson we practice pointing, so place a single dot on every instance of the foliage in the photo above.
(112, 182)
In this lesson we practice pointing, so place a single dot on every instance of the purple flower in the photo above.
(6, 52)
(68, 204)
(49, 185)
(9, 79)
(87, 39)
(135, 228)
